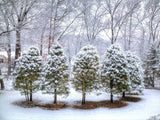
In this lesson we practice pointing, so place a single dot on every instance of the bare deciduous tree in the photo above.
(19, 18)
(116, 16)
(6, 29)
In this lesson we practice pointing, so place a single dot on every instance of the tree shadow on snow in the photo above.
(98, 104)
(131, 99)
(36, 103)
(77, 105)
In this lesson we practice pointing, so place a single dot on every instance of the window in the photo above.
(1, 61)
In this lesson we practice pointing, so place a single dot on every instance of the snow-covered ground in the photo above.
(143, 110)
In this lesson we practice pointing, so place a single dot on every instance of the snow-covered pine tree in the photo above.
(56, 73)
(114, 73)
(135, 73)
(21, 74)
(27, 71)
(151, 65)
(86, 71)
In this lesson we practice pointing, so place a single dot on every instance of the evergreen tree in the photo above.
(135, 73)
(20, 72)
(151, 65)
(115, 76)
(56, 73)
(86, 71)
(27, 73)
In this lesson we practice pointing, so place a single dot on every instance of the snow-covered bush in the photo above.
(56, 73)
(135, 73)
(86, 71)
(114, 73)
(27, 71)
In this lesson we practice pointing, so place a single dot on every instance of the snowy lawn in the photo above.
(142, 110)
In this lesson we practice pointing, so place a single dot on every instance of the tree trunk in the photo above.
(55, 96)
(83, 98)
(30, 95)
(83, 93)
(18, 45)
(123, 95)
(50, 25)
(9, 54)
(112, 31)
(111, 94)
(125, 39)
(141, 45)
(1, 81)
(112, 42)
(49, 44)
(30, 90)
(41, 42)
(130, 32)
(2, 84)
(111, 97)
(41, 46)
(153, 80)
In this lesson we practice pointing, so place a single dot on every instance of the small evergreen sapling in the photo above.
(27, 71)
(114, 73)
(86, 71)
(135, 73)
(152, 65)
(56, 73)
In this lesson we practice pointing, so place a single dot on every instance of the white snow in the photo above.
(147, 107)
